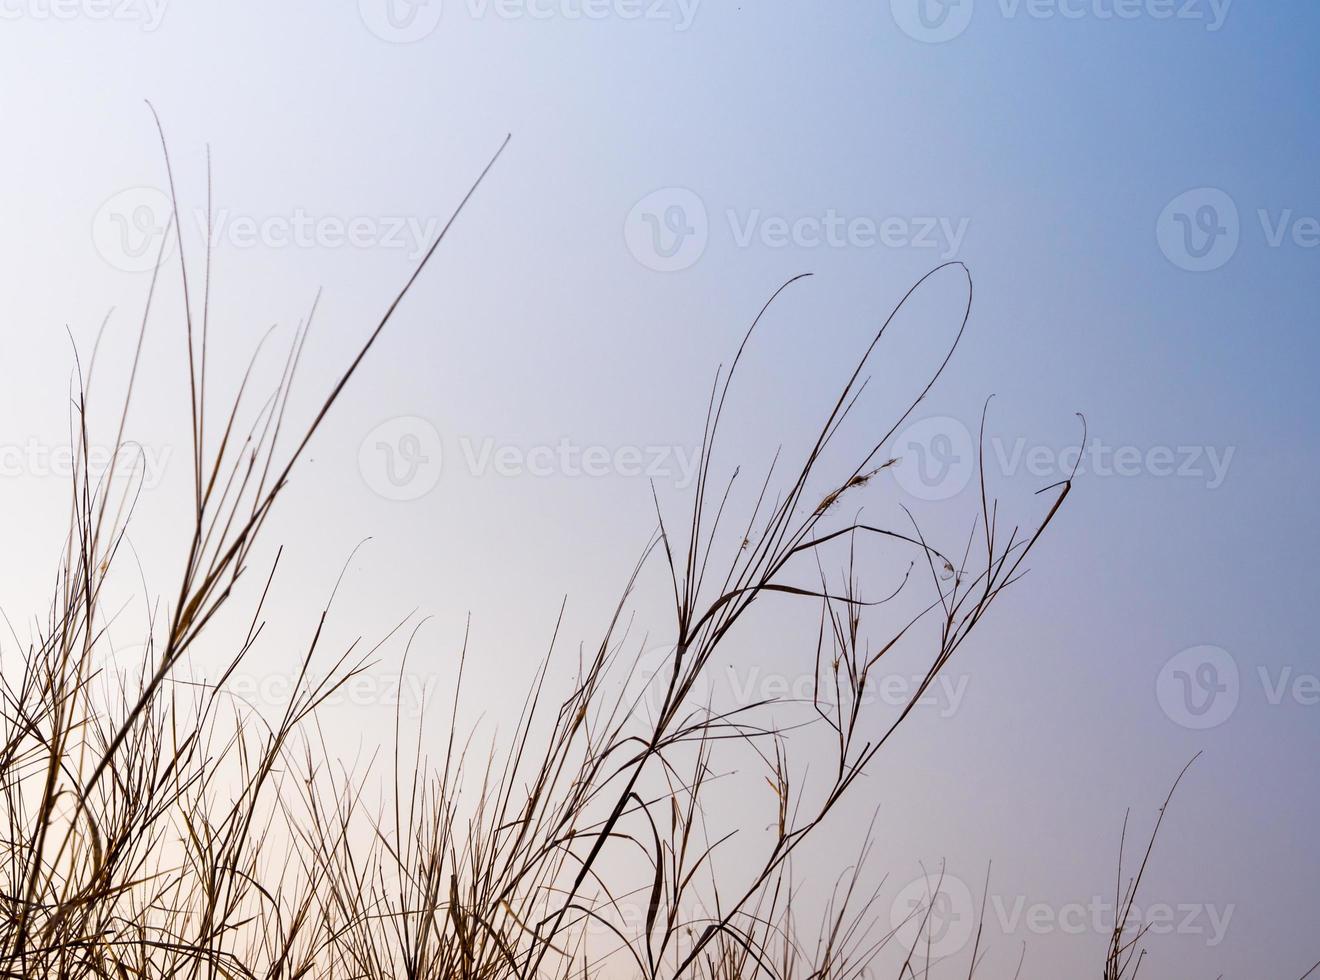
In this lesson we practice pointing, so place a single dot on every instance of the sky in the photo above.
(1130, 183)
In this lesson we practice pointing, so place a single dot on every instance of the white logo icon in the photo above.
(932, 21)
(401, 459)
(401, 21)
(128, 229)
(936, 458)
(1199, 688)
(934, 913)
(668, 229)
(1199, 230)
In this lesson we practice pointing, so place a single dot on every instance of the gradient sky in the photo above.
(1135, 196)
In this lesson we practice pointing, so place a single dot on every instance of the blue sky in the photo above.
(1131, 184)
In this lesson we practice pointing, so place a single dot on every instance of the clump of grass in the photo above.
(156, 830)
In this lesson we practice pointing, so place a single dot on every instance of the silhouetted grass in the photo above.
(160, 830)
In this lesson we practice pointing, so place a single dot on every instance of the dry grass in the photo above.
(156, 830)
